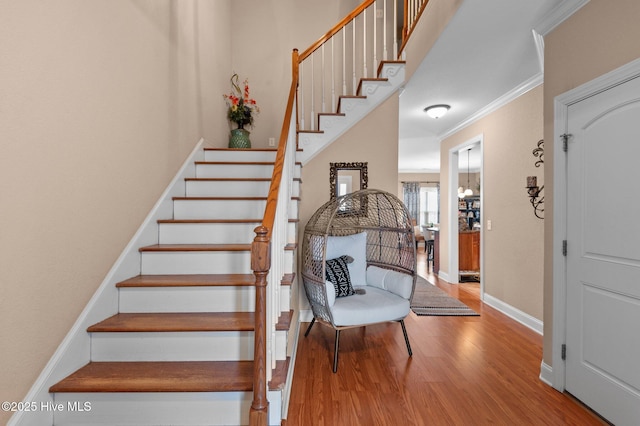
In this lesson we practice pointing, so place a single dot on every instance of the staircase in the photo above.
(180, 349)
(350, 109)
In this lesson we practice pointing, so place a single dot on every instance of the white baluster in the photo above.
(313, 109)
(344, 60)
(301, 97)
(333, 75)
(395, 30)
(364, 44)
(353, 53)
(375, 38)
(385, 56)
(322, 75)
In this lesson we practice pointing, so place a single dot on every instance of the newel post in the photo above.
(260, 263)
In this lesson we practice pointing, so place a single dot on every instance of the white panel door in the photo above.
(603, 258)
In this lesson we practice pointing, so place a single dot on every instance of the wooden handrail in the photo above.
(409, 29)
(272, 198)
(261, 264)
(333, 31)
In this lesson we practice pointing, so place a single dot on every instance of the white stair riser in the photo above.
(285, 298)
(239, 155)
(172, 346)
(218, 209)
(281, 345)
(187, 299)
(207, 233)
(163, 408)
(293, 209)
(247, 188)
(158, 408)
(176, 263)
(234, 170)
(288, 261)
(292, 228)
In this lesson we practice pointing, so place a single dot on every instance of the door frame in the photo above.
(452, 200)
(561, 117)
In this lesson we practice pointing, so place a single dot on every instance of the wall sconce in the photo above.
(532, 183)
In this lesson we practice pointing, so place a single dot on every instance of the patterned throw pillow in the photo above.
(338, 273)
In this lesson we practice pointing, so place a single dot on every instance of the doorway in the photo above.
(596, 290)
(465, 160)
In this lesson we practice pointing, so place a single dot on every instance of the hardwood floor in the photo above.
(464, 371)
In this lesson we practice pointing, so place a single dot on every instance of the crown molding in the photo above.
(503, 100)
(558, 15)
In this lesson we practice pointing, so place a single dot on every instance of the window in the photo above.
(429, 203)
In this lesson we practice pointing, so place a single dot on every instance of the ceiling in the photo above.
(487, 51)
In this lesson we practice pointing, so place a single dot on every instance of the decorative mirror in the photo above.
(345, 178)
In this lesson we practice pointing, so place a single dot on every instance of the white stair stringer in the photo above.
(354, 109)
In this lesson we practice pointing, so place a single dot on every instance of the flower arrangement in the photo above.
(241, 108)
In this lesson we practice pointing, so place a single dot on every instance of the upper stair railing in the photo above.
(333, 66)
(349, 52)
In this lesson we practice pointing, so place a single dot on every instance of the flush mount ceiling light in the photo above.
(437, 111)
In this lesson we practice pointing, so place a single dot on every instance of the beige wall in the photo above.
(100, 103)
(513, 249)
(595, 40)
(373, 140)
(433, 21)
(264, 35)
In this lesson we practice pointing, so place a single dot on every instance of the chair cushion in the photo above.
(337, 272)
(393, 281)
(376, 305)
(355, 246)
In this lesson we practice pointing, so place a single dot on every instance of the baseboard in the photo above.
(286, 392)
(514, 313)
(546, 374)
(74, 351)
(306, 315)
(444, 276)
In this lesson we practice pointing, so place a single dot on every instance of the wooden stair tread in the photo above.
(287, 279)
(370, 80)
(339, 114)
(279, 375)
(241, 149)
(235, 163)
(210, 221)
(311, 131)
(211, 280)
(176, 322)
(159, 376)
(220, 198)
(195, 247)
(227, 179)
(284, 321)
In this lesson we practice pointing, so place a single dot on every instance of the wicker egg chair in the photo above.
(370, 231)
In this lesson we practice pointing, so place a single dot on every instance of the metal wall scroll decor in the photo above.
(532, 183)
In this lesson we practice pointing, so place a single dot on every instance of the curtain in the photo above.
(411, 192)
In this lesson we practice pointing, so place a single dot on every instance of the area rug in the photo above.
(430, 300)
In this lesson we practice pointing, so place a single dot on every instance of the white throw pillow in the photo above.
(355, 246)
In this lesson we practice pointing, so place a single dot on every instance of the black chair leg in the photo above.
(406, 338)
(309, 328)
(335, 354)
